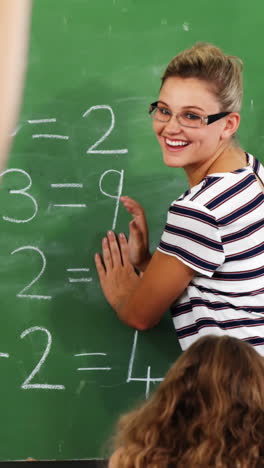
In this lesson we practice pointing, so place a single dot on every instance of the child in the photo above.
(208, 412)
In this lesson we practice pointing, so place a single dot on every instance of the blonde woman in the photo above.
(208, 412)
(209, 265)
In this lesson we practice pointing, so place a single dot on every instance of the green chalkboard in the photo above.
(68, 366)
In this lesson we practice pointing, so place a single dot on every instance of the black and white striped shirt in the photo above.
(217, 229)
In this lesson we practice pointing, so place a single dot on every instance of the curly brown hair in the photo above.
(208, 412)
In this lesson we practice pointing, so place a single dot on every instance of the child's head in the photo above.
(208, 63)
(208, 411)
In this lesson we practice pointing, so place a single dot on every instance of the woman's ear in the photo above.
(232, 122)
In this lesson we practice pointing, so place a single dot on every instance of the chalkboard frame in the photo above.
(62, 463)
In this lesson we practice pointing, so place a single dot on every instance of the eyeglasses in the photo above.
(184, 118)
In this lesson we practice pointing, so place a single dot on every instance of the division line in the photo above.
(94, 368)
(71, 206)
(91, 354)
(66, 185)
(78, 269)
(42, 121)
(143, 379)
(43, 135)
(46, 386)
(34, 296)
(80, 280)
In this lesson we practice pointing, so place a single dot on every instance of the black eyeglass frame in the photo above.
(207, 120)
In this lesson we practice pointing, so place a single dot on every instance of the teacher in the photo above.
(209, 265)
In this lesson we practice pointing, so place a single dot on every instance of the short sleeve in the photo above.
(192, 235)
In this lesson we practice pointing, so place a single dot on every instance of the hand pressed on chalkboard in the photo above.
(117, 276)
(138, 243)
(139, 301)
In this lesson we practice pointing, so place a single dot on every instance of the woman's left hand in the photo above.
(117, 276)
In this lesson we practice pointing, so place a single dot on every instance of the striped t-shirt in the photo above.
(217, 229)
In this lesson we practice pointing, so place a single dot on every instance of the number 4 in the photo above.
(147, 379)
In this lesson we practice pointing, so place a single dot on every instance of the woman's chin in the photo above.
(172, 161)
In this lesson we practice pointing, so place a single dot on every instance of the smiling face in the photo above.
(190, 148)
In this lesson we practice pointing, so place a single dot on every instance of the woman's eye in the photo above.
(191, 116)
(163, 111)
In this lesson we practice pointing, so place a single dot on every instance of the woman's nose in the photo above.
(173, 126)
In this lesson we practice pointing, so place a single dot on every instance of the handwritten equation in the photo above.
(93, 149)
(29, 384)
(85, 362)
(25, 192)
(70, 274)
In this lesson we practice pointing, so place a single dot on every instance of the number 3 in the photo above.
(23, 192)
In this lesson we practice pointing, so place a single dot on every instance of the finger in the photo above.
(135, 231)
(114, 249)
(99, 266)
(132, 206)
(139, 230)
(107, 257)
(124, 249)
(137, 211)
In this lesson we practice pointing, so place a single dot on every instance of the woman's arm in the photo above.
(140, 302)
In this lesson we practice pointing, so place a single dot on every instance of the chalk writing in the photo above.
(148, 379)
(47, 135)
(22, 192)
(119, 191)
(66, 185)
(93, 368)
(92, 149)
(30, 384)
(91, 362)
(26, 384)
(32, 296)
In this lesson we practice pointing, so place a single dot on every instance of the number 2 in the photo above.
(92, 149)
(31, 296)
(26, 384)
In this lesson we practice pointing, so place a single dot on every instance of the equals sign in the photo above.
(93, 368)
(68, 205)
(79, 280)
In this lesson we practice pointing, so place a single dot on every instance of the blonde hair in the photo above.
(208, 63)
(208, 412)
